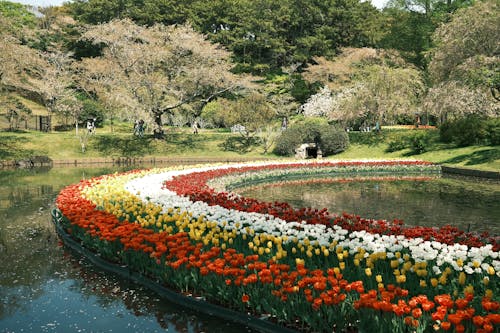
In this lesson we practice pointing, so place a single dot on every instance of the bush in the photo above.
(330, 139)
(287, 142)
(493, 130)
(333, 141)
(419, 143)
(447, 132)
(471, 130)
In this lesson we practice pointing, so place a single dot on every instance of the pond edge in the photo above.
(262, 325)
(471, 172)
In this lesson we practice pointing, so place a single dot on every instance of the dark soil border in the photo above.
(471, 172)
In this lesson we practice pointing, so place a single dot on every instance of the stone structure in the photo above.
(308, 150)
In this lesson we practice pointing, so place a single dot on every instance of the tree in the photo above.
(411, 23)
(368, 86)
(319, 105)
(263, 35)
(253, 112)
(467, 49)
(158, 69)
(451, 100)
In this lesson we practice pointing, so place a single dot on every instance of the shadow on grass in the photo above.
(11, 147)
(239, 145)
(132, 146)
(185, 141)
(477, 157)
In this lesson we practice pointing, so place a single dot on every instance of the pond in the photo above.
(467, 203)
(46, 288)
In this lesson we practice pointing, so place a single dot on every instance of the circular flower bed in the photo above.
(308, 269)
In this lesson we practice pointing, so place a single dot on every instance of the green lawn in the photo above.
(220, 145)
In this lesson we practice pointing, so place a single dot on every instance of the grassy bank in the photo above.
(220, 145)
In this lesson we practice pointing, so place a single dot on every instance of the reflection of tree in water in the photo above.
(29, 250)
(458, 201)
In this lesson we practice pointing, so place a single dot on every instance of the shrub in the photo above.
(493, 131)
(330, 139)
(419, 143)
(287, 142)
(333, 141)
(469, 131)
(447, 132)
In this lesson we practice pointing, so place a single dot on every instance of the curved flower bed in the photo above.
(304, 268)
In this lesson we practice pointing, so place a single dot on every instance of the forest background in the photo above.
(260, 65)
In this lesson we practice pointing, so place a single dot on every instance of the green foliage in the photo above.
(367, 138)
(288, 141)
(18, 14)
(493, 130)
(213, 114)
(333, 140)
(419, 143)
(92, 109)
(410, 33)
(471, 130)
(13, 146)
(253, 112)
(411, 24)
(396, 144)
(330, 139)
(263, 35)
(301, 89)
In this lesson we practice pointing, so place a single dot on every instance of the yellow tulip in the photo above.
(461, 278)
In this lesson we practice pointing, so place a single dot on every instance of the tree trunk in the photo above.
(158, 130)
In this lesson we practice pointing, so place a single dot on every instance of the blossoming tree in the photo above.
(158, 69)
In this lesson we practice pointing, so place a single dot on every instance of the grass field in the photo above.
(220, 145)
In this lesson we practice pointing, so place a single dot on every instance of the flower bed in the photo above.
(304, 268)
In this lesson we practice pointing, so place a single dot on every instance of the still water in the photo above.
(46, 288)
(467, 203)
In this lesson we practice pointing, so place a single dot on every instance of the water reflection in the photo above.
(463, 202)
(45, 288)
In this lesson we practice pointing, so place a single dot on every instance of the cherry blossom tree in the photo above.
(365, 85)
(158, 69)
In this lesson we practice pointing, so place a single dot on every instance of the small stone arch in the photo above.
(308, 150)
